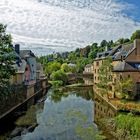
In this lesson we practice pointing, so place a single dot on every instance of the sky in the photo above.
(47, 26)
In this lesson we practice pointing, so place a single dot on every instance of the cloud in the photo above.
(63, 24)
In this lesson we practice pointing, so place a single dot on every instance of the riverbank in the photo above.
(109, 120)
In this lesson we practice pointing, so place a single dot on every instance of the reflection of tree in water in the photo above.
(85, 93)
(57, 95)
(84, 129)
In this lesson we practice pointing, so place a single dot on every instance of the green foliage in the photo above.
(52, 67)
(122, 41)
(104, 43)
(135, 35)
(81, 57)
(7, 57)
(59, 76)
(81, 63)
(72, 57)
(65, 67)
(123, 86)
(128, 126)
(57, 83)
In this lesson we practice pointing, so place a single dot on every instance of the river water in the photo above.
(67, 115)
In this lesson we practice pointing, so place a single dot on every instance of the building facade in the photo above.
(88, 69)
(27, 71)
(125, 62)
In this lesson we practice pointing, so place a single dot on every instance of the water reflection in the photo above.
(66, 115)
(88, 81)
(102, 109)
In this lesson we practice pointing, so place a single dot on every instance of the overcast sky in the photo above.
(62, 25)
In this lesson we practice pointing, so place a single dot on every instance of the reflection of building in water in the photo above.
(88, 81)
(88, 69)
(103, 109)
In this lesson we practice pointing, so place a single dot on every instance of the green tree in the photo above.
(82, 62)
(105, 76)
(103, 43)
(7, 57)
(122, 41)
(52, 67)
(65, 67)
(72, 57)
(59, 76)
(135, 35)
(125, 87)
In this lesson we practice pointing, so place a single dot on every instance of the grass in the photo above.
(28, 119)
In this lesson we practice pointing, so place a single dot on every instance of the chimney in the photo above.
(137, 46)
(17, 48)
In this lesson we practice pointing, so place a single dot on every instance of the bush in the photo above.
(59, 76)
(57, 83)
(65, 67)
(129, 126)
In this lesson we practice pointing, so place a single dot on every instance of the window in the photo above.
(95, 70)
(110, 77)
(121, 77)
(95, 77)
(115, 80)
(110, 88)
(128, 76)
(97, 63)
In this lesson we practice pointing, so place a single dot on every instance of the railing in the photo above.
(10, 99)
(38, 86)
(17, 94)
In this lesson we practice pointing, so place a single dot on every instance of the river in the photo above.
(66, 115)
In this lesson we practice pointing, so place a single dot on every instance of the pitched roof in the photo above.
(26, 53)
(20, 67)
(127, 66)
(118, 52)
(88, 65)
(123, 52)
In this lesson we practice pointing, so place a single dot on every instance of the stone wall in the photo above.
(19, 94)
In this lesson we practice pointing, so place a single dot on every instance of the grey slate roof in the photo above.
(118, 52)
(123, 52)
(88, 65)
(127, 66)
(21, 67)
(26, 53)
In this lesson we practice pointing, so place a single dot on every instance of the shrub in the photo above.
(59, 76)
(57, 83)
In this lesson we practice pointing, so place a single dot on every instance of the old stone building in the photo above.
(125, 62)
